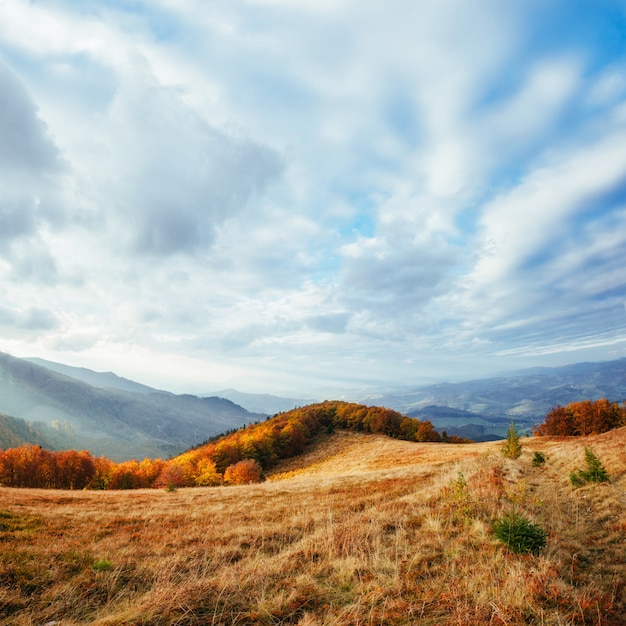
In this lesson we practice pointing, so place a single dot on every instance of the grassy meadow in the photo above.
(361, 530)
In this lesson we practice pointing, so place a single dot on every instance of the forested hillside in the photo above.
(15, 431)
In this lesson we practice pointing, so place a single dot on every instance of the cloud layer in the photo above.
(308, 197)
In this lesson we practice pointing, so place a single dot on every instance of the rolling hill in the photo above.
(113, 422)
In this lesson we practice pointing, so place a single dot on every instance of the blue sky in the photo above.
(312, 197)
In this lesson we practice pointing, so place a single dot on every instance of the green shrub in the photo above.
(595, 473)
(538, 459)
(519, 534)
(102, 565)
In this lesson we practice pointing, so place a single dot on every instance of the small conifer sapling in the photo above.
(595, 473)
(512, 448)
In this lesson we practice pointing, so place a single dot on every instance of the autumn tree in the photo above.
(75, 470)
(171, 475)
(558, 423)
(243, 472)
(18, 466)
(102, 474)
(226, 453)
(126, 475)
(206, 474)
(32, 466)
(149, 470)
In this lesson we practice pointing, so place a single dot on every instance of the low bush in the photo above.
(102, 565)
(538, 459)
(519, 534)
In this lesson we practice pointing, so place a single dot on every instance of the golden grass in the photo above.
(363, 530)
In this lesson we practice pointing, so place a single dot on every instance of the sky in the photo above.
(314, 196)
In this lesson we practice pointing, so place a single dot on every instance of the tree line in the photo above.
(238, 457)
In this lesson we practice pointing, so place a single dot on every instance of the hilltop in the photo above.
(361, 529)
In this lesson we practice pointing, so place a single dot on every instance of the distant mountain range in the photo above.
(72, 407)
(262, 403)
(110, 415)
(483, 409)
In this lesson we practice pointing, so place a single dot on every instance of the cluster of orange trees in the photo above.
(583, 418)
(239, 457)
(33, 466)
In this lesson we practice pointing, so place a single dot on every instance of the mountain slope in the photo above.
(119, 424)
(15, 431)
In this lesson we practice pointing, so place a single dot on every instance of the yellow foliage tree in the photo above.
(206, 474)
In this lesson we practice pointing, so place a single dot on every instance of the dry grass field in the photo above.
(361, 530)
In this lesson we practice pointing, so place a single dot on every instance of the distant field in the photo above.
(361, 530)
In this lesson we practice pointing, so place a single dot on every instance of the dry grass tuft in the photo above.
(363, 530)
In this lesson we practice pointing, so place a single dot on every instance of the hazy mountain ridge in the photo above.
(465, 423)
(261, 402)
(104, 380)
(116, 423)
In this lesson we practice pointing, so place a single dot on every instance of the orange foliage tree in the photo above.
(206, 474)
(243, 473)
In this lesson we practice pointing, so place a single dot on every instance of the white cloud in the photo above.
(176, 177)
(523, 222)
